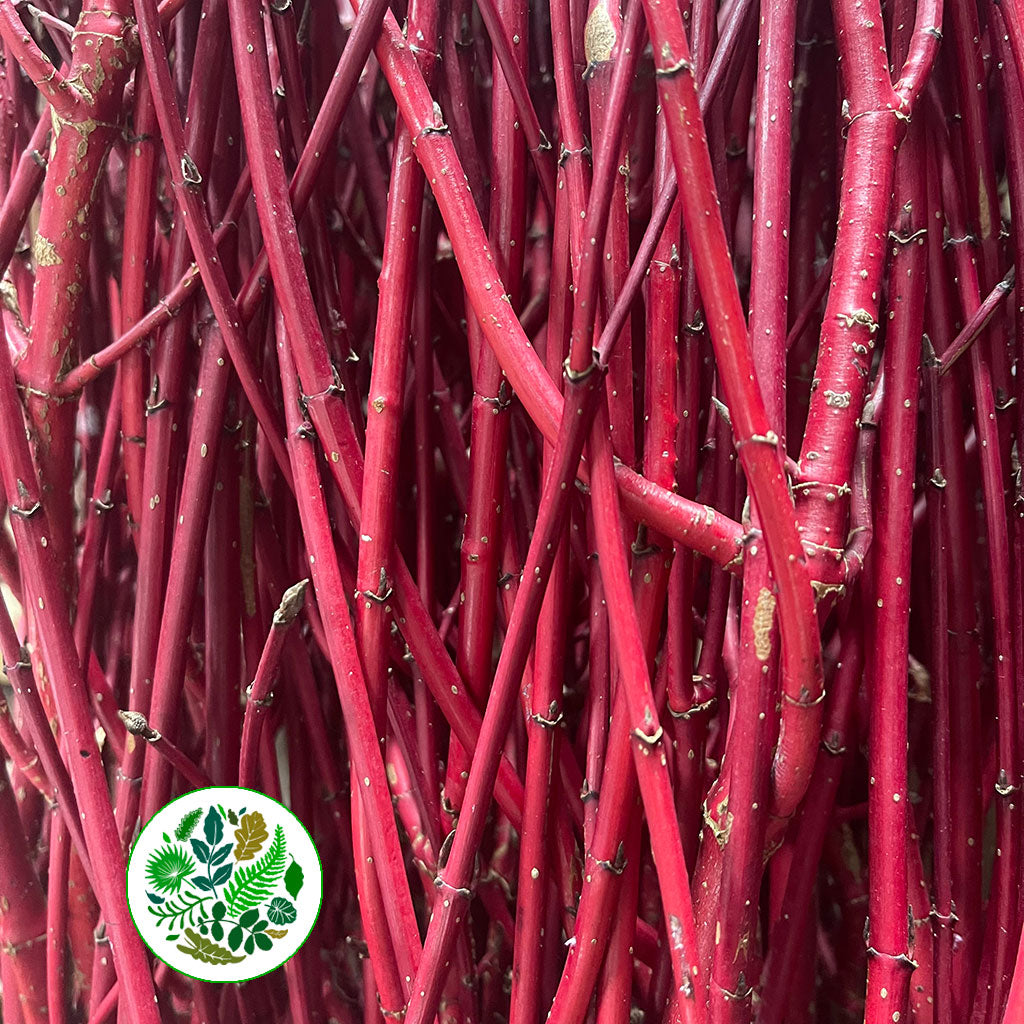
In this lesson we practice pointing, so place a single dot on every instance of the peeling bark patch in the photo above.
(44, 252)
(763, 614)
(598, 36)
(837, 399)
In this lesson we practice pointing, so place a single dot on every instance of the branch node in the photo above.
(616, 866)
(649, 739)
(552, 720)
(577, 376)
(681, 66)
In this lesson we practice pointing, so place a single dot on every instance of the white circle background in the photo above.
(297, 845)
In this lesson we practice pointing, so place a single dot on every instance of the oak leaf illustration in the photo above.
(251, 835)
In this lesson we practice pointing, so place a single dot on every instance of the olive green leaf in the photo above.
(254, 883)
(188, 824)
(293, 879)
(277, 933)
(208, 951)
(251, 835)
(168, 867)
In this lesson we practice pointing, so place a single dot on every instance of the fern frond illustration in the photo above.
(188, 824)
(168, 867)
(254, 883)
(173, 913)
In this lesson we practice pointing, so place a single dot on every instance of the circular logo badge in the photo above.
(224, 884)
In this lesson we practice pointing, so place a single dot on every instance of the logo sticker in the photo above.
(224, 884)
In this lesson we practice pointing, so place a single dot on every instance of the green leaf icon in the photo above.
(222, 874)
(235, 938)
(167, 868)
(187, 825)
(213, 827)
(293, 879)
(248, 919)
(281, 911)
(221, 855)
(263, 941)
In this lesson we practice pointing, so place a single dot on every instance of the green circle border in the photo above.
(235, 981)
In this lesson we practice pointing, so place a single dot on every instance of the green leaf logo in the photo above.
(187, 825)
(224, 888)
(281, 911)
(213, 827)
(293, 879)
(168, 868)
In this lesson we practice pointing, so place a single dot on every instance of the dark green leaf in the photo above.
(249, 918)
(221, 854)
(217, 930)
(202, 883)
(235, 938)
(263, 941)
(221, 875)
(293, 879)
(259, 926)
(171, 938)
(232, 817)
(250, 944)
(213, 826)
(153, 898)
(218, 910)
(201, 850)
(281, 911)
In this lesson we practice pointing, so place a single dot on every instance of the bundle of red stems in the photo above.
(636, 386)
